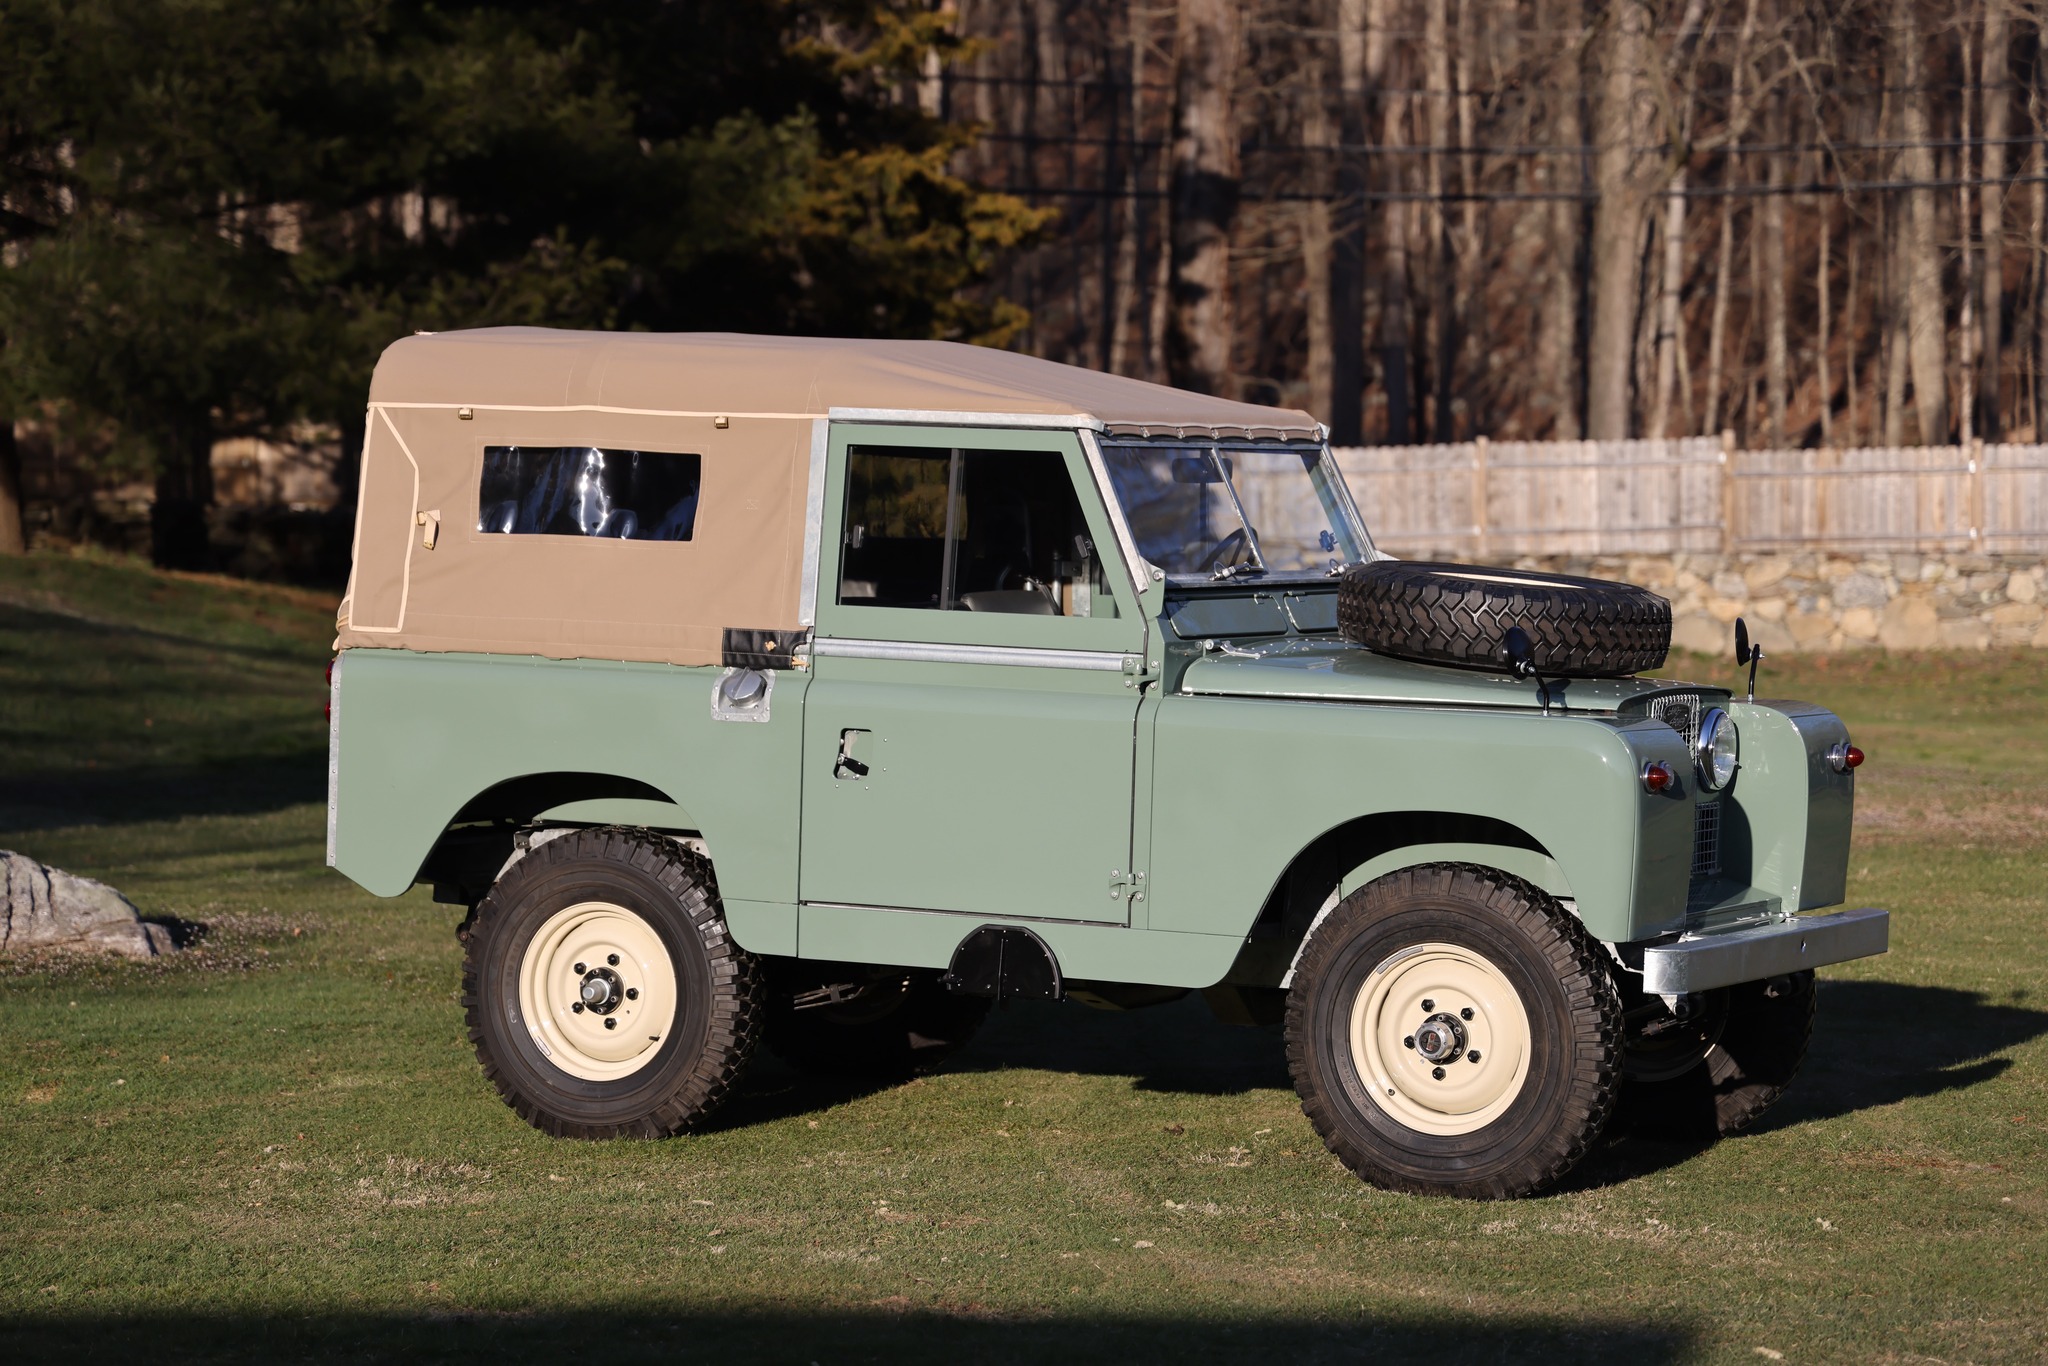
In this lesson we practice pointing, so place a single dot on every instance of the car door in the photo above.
(968, 731)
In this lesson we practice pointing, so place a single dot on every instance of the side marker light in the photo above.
(1658, 777)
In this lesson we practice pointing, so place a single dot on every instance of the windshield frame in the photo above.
(1325, 476)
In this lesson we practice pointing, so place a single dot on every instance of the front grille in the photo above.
(1681, 711)
(1706, 840)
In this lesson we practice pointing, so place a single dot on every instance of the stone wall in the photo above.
(1814, 601)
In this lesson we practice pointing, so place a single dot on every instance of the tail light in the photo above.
(1844, 757)
(1658, 777)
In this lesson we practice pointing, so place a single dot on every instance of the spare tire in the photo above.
(1460, 615)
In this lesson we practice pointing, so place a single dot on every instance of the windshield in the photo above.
(1217, 511)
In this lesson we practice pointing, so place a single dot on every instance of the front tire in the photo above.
(605, 997)
(1452, 1030)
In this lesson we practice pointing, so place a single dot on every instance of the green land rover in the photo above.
(820, 693)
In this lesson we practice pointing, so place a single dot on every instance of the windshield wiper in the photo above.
(1237, 571)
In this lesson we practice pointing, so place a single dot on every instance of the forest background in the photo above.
(1423, 220)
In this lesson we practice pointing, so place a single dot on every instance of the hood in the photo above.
(1335, 671)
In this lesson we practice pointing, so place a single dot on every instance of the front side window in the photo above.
(968, 530)
(589, 491)
(1212, 511)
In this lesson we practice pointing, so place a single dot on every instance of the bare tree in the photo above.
(1347, 240)
(1623, 123)
(1994, 82)
(1205, 195)
(1919, 254)
(13, 535)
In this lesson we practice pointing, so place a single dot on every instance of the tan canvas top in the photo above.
(427, 576)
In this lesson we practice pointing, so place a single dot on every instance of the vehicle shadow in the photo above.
(1874, 1044)
(897, 1330)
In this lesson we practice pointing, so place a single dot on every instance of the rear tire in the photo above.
(901, 1023)
(1489, 963)
(605, 997)
(1765, 1029)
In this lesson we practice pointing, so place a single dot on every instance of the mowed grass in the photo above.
(278, 1146)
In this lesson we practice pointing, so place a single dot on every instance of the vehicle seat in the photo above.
(1021, 601)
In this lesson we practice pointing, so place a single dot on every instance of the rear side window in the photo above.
(589, 491)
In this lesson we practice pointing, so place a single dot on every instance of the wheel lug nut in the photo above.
(1473, 1056)
(612, 958)
(1428, 1004)
(1408, 1042)
(1466, 1013)
(576, 1007)
(632, 993)
(1437, 1072)
(611, 1024)
(582, 968)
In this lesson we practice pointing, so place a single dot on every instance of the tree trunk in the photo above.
(1205, 195)
(1822, 319)
(1129, 305)
(1437, 80)
(1668, 301)
(1319, 139)
(1852, 360)
(1557, 335)
(1777, 348)
(1991, 216)
(1346, 399)
(13, 533)
(1395, 319)
(1621, 125)
(1898, 331)
(1920, 251)
(184, 492)
(1717, 329)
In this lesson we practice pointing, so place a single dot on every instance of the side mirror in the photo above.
(1742, 650)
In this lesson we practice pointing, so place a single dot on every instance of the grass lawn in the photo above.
(277, 1145)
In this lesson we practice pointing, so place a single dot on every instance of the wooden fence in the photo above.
(1492, 500)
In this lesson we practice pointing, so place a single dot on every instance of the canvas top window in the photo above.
(589, 491)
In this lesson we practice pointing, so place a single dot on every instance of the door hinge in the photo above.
(1122, 884)
(1138, 671)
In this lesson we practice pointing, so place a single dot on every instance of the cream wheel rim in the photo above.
(597, 991)
(1440, 1039)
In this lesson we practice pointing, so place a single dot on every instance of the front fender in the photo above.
(1242, 785)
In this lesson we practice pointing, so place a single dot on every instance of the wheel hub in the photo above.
(1441, 1038)
(602, 991)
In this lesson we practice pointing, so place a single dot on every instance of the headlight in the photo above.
(1716, 753)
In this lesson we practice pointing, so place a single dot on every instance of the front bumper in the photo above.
(1719, 958)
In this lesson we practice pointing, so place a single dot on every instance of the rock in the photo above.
(2021, 587)
(1770, 609)
(1970, 634)
(1701, 635)
(1763, 575)
(2017, 614)
(1987, 583)
(1772, 636)
(1724, 610)
(44, 907)
(1812, 629)
(1730, 585)
(1909, 624)
(1861, 590)
(1860, 623)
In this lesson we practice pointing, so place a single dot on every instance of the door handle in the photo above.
(852, 744)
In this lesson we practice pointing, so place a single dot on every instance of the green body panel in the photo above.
(1785, 834)
(1105, 953)
(420, 735)
(992, 789)
(1241, 784)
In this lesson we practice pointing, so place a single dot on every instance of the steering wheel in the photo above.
(1231, 549)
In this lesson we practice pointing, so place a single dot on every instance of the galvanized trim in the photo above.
(1705, 961)
(997, 921)
(931, 417)
(814, 525)
(333, 752)
(1091, 450)
(1099, 660)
